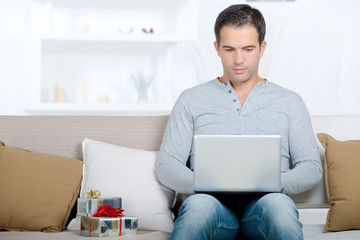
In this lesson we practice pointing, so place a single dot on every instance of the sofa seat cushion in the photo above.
(75, 235)
(316, 232)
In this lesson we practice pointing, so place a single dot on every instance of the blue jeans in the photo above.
(272, 216)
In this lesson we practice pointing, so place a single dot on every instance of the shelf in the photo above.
(134, 109)
(112, 37)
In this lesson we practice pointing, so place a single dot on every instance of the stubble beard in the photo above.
(241, 78)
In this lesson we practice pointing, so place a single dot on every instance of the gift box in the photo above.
(108, 226)
(89, 206)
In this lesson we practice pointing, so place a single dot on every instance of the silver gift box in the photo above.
(89, 206)
(108, 226)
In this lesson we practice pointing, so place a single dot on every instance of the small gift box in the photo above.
(89, 206)
(108, 226)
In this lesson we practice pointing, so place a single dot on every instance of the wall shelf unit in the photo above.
(98, 55)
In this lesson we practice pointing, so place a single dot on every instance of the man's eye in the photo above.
(249, 49)
(228, 49)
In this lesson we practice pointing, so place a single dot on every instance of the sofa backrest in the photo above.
(62, 135)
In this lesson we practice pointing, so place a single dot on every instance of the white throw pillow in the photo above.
(130, 174)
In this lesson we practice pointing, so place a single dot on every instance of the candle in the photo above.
(59, 92)
(104, 98)
(80, 92)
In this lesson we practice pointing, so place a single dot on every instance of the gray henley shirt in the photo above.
(213, 108)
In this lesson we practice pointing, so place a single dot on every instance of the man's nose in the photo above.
(238, 57)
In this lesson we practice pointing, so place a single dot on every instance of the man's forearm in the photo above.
(176, 176)
(303, 177)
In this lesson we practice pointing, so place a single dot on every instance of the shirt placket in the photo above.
(234, 98)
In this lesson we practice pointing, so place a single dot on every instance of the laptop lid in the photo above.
(237, 163)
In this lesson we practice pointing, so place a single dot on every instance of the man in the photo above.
(239, 102)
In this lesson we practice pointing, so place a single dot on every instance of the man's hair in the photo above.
(240, 15)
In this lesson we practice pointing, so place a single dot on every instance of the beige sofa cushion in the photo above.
(342, 180)
(37, 190)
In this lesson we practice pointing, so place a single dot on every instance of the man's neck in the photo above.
(242, 89)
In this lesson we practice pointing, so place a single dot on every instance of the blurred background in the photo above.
(134, 57)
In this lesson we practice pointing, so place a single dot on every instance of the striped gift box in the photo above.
(108, 226)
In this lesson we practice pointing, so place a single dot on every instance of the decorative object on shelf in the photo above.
(59, 92)
(80, 92)
(126, 30)
(84, 27)
(270, 0)
(103, 98)
(151, 30)
(142, 84)
(44, 95)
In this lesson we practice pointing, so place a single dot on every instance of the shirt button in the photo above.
(234, 100)
(238, 109)
(229, 91)
(225, 83)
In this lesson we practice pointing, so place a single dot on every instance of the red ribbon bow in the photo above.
(108, 211)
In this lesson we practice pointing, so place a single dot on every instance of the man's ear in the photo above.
(262, 48)
(217, 47)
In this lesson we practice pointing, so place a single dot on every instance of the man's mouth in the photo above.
(239, 70)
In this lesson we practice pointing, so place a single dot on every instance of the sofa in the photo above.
(64, 136)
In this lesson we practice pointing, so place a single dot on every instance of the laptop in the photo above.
(237, 163)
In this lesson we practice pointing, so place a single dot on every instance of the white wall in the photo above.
(312, 49)
(11, 28)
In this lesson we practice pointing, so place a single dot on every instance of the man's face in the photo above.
(240, 52)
